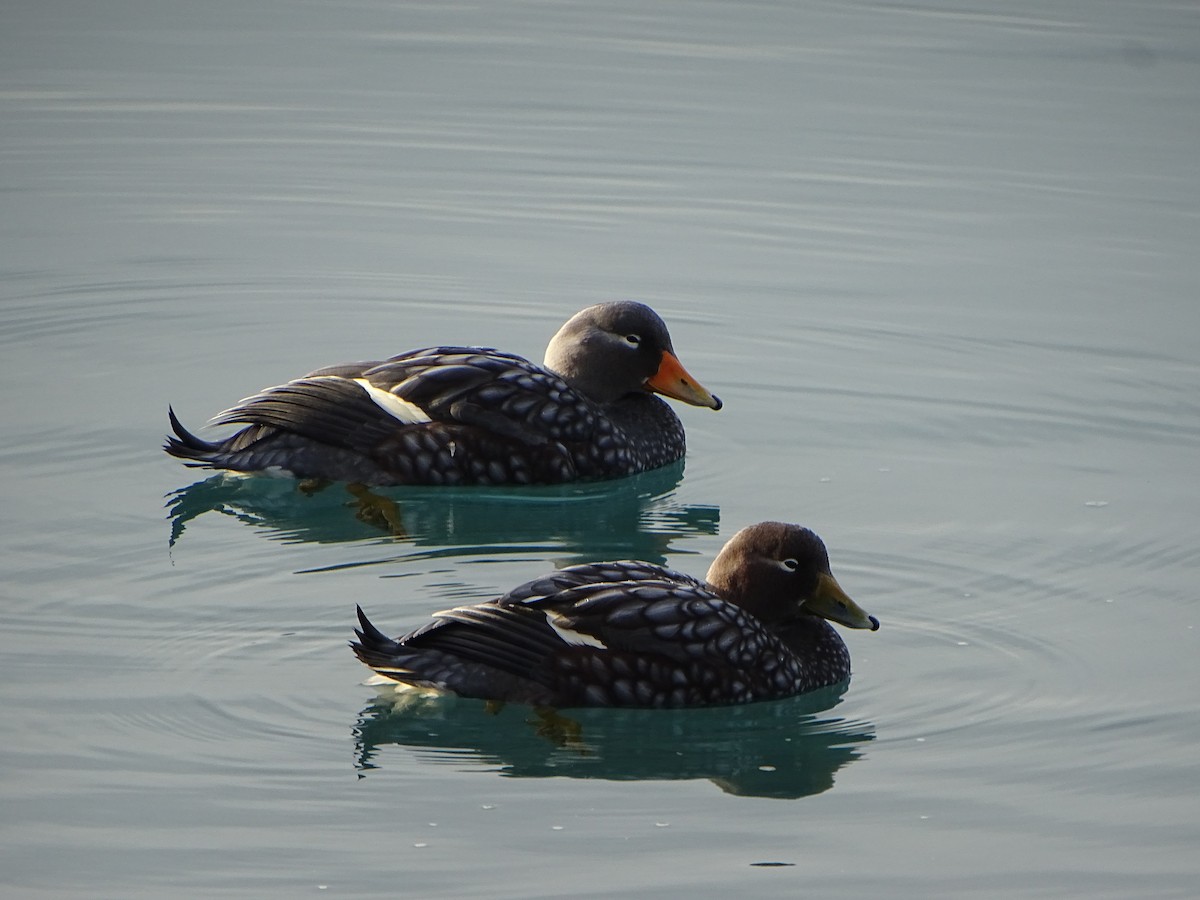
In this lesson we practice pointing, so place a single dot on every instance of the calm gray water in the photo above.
(939, 260)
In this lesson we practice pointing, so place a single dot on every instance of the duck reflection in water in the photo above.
(780, 749)
(636, 517)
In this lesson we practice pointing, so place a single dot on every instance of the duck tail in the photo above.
(185, 445)
(373, 647)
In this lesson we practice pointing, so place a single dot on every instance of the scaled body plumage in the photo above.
(470, 415)
(639, 635)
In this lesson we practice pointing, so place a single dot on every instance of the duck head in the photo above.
(779, 572)
(612, 350)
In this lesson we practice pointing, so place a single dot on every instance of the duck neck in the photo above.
(818, 643)
(649, 428)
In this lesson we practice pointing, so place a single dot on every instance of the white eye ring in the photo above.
(790, 564)
(633, 339)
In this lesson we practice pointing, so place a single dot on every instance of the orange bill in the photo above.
(673, 380)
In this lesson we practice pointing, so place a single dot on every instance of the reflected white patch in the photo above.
(401, 410)
(575, 638)
(409, 698)
(275, 472)
(378, 680)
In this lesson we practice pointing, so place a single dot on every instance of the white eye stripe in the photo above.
(789, 565)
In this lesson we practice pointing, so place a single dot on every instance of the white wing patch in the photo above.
(401, 410)
(577, 638)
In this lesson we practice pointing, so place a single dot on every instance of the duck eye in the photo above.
(790, 564)
(633, 339)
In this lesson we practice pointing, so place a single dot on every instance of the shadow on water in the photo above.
(782, 749)
(630, 517)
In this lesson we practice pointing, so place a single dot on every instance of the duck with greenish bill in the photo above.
(635, 634)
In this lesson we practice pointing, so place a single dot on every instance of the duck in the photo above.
(637, 634)
(452, 415)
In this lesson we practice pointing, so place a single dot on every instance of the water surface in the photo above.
(938, 262)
